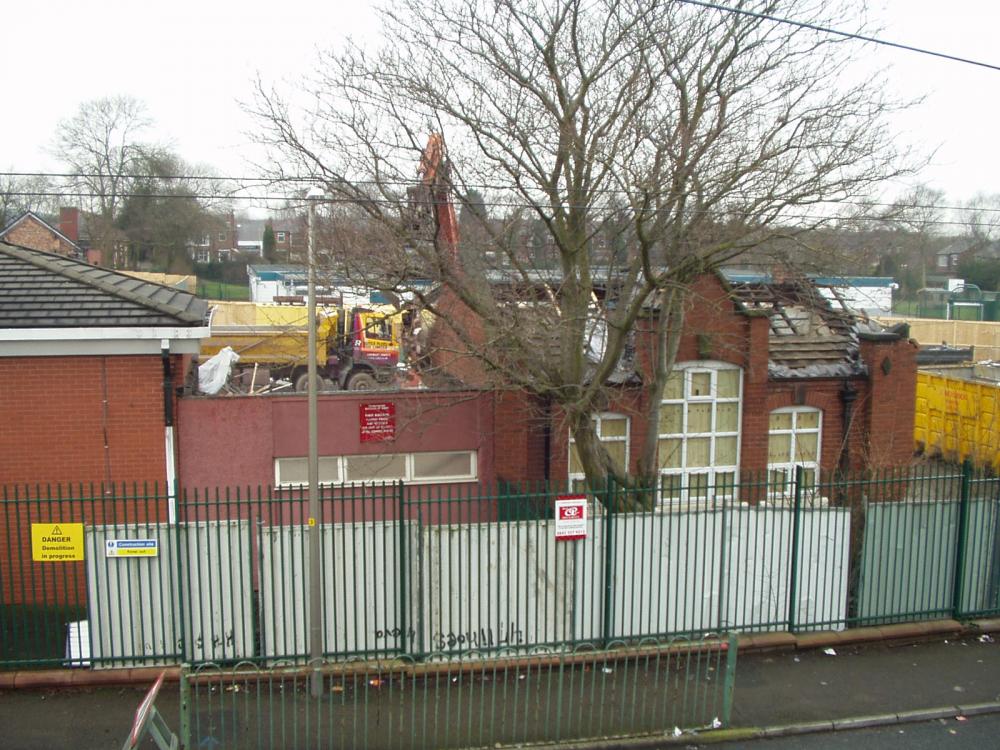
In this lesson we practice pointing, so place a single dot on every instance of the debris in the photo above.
(677, 732)
(952, 731)
(716, 723)
(986, 638)
(829, 652)
(233, 689)
(607, 670)
(797, 660)
(336, 688)
(375, 682)
(521, 676)
(958, 689)
(454, 679)
(822, 683)
(960, 718)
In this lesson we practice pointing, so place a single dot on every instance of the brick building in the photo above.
(82, 362)
(89, 362)
(768, 376)
(32, 231)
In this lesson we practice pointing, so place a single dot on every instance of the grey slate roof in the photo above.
(44, 290)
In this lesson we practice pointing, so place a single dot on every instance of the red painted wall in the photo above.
(232, 442)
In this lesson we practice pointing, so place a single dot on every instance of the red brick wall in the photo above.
(888, 410)
(57, 413)
(29, 233)
(67, 422)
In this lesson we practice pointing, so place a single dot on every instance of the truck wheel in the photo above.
(302, 382)
(362, 381)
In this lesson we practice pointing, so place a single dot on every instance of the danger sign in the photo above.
(56, 542)
(571, 517)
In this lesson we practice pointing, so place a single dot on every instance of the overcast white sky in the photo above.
(190, 62)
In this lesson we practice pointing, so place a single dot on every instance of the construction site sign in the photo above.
(378, 422)
(131, 548)
(56, 542)
(571, 517)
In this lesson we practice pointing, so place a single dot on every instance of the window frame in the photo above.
(711, 469)
(793, 432)
(409, 473)
(577, 480)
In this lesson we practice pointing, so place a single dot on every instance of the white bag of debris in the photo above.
(214, 373)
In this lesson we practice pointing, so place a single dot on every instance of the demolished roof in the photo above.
(45, 290)
(811, 335)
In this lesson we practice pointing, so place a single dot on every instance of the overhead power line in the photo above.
(293, 204)
(837, 32)
(236, 193)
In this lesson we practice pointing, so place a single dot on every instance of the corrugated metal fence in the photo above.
(478, 573)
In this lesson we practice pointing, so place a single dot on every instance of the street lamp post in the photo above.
(315, 589)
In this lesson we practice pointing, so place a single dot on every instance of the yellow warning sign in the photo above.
(56, 542)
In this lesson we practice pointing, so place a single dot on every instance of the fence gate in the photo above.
(443, 702)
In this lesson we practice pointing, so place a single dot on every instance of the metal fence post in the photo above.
(729, 684)
(963, 535)
(180, 553)
(403, 568)
(185, 707)
(609, 503)
(793, 583)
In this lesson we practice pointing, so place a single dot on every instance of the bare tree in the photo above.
(101, 146)
(647, 141)
(918, 217)
(20, 193)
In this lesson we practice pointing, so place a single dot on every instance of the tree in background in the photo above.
(678, 136)
(267, 243)
(102, 146)
(25, 193)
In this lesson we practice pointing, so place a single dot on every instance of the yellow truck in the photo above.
(356, 348)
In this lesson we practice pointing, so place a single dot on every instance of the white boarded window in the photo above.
(296, 470)
(793, 440)
(415, 468)
(699, 448)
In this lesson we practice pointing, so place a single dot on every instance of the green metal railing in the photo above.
(414, 571)
(486, 699)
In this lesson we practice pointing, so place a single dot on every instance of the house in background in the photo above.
(218, 244)
(32, 231)
(948, 258)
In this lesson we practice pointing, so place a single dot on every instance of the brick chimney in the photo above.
(69, 222)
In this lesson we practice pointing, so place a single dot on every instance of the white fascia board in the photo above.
(54, 342)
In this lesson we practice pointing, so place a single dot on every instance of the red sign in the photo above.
(571, 517)
(378, 422)
(142, 713)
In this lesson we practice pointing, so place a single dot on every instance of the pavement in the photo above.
(796, 686)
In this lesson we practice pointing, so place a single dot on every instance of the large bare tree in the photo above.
(617, 150)
(103, 148)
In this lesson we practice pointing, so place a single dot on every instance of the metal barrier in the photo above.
(572, 692)
(412, 571)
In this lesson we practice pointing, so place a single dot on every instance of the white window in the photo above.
(942, 261)
(222, 235)
(612, 431)
(414, 468)
(699, 450)
(793, 440)
(279, 236)
(203, 256)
